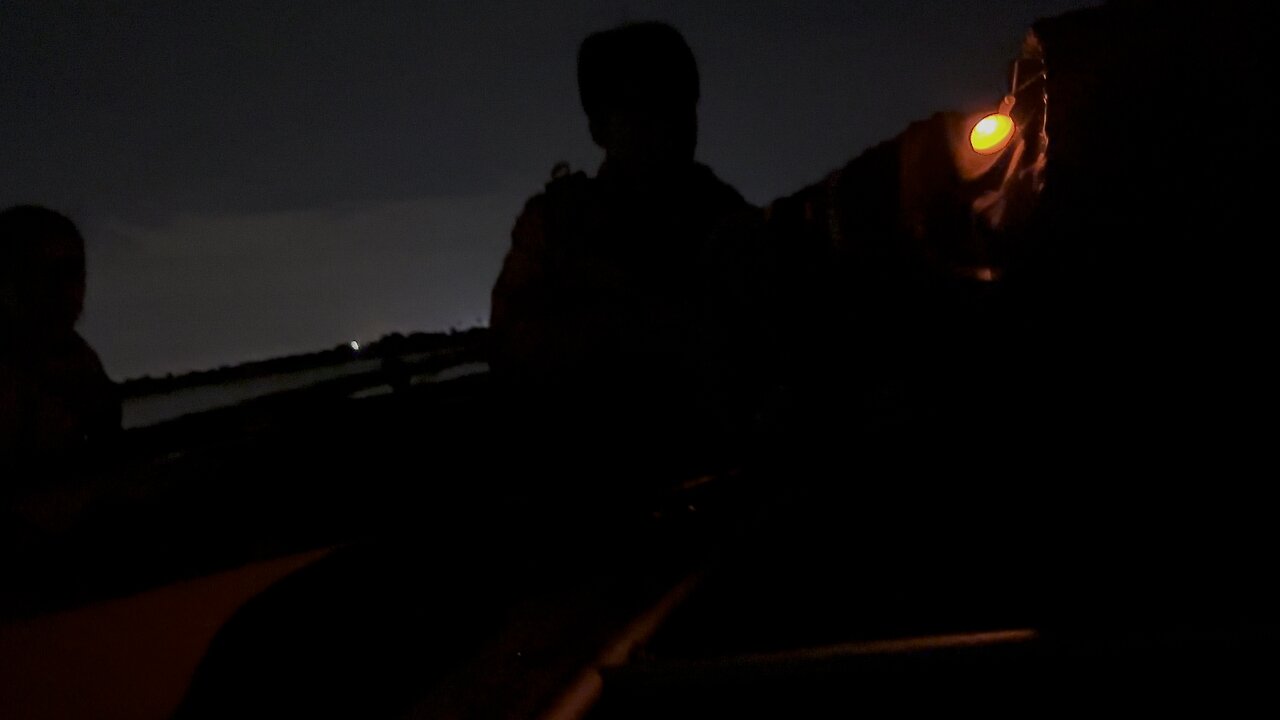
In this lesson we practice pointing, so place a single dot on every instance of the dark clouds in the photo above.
(266, 177)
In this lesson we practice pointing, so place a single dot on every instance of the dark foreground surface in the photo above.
(491, 587)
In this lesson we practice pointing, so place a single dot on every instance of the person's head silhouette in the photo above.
(54, 394)
(42, 273)
(639, 88)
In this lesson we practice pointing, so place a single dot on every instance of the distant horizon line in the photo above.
(339, 347)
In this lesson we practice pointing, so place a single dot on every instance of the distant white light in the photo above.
(355, 345)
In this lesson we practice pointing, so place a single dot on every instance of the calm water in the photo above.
(151, 409)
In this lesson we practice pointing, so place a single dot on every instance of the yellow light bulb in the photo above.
(991, 134)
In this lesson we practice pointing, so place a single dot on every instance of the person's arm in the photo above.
(100, 397)
(522, 325)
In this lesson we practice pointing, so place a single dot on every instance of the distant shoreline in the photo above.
(387, 345)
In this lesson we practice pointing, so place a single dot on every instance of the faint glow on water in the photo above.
(152, 409)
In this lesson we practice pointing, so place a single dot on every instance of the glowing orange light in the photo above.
(991, 134)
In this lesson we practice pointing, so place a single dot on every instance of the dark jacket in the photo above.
(622, 311)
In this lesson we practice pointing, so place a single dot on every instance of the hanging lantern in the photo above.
(992, 134)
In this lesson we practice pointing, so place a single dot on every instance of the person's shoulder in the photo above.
(76, 360)
(568, 184)
(101, 394)
(565, 188)
(564, 196)
(723, 195)
(84, 354)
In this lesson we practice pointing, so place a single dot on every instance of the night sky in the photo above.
(261, 178)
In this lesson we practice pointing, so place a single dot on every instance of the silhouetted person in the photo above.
(54, 395)
(616, 318)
